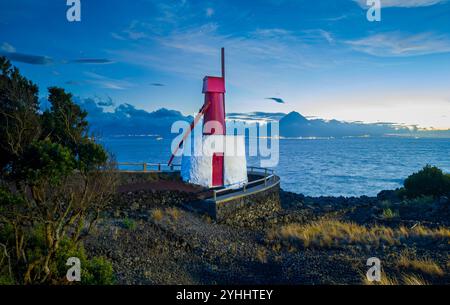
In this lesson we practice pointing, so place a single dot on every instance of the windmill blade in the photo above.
(193, 124)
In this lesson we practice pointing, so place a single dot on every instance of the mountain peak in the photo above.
(294, 117)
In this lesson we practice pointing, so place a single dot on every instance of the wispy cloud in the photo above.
(402, 3)
(7, 48)
(28, 58)
(396, 44)
(133, 32)
(106, 82)
(92, 61)
(209, 12)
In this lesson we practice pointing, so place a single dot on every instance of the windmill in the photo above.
(222, 159)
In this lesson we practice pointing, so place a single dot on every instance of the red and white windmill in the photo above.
(218, 159)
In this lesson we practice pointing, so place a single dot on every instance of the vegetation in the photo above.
(261, 255)
(389, 214)
(157, 214)
(426, 266)
(334, 233)
(54, 183)
(406, 279)
(174, 213)
(430, 181)
(129, 224)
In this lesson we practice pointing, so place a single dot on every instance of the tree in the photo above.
(19, 118)
(430, 181)
(55, 179)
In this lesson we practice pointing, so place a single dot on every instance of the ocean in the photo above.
(320, 167)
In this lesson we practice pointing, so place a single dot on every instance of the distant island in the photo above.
(126, 119)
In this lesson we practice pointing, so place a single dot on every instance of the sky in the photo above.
(323, 58)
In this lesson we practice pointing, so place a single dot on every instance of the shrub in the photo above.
(389, 214)
(430, 181)
(95, 271)
(129, 224)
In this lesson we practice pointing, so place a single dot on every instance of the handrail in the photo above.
(245, 186)
(147, 167)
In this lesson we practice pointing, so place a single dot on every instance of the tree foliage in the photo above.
(430, 181)
(55, 181)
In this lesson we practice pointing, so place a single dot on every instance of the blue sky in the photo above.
(323, 58)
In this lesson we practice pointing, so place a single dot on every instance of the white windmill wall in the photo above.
(197, 168)
(235, 162)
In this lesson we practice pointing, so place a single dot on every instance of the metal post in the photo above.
(144, 166)
(215, 195)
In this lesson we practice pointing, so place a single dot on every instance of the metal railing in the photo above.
(268, 175)
(144, 167)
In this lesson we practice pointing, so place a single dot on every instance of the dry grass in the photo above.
(385, 281)
(333, 233)
(174, 213)
(157, 214)
(261, 255)
(406, 279)
(426, 266)
(414, 280)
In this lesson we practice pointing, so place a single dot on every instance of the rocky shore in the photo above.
(151, 239)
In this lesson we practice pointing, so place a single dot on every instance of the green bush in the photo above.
(389, 214)
(430, 181)
(95, 271)
(129, 224)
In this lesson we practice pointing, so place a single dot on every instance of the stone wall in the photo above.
(250, 210)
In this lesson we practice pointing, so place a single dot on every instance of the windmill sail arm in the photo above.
(192, 126)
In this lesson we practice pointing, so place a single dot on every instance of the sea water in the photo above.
(320, 167)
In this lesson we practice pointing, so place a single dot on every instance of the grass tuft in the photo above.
(174, 213)
(157, 214)
(328, 233)
(426, 266)
(261, 255)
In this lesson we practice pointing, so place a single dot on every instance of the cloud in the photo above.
(92, 61)
(402, 3)
(209, 12)
(73, 83)
(28, 59)
(7, 48)
(396, 44)
(276, 99)
(135, 31)
(319, 33)
(9, 51)
(104, 102)
(106, 82)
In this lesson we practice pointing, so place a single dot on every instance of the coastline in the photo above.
(152, 240)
